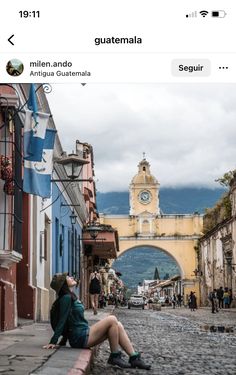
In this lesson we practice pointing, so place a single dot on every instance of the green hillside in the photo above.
(139, 264)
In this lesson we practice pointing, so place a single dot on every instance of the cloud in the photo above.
(188, 131)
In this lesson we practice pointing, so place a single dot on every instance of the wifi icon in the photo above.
(204, 13)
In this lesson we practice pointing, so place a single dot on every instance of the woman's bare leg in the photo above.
(113, 330)
(92, 300)
(106, 328)
(124, 340)
(96, 301)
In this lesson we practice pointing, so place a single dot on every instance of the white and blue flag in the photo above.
(34, 134)
(37, 175)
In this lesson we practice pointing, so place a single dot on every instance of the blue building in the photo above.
(66, 237)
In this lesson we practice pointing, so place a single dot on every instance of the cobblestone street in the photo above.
(177, 341)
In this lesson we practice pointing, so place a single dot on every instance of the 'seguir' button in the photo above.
(191, 67)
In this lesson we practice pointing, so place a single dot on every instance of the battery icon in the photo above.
(218, 13)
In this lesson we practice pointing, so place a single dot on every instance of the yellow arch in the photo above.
(177, 235)
(181, 250)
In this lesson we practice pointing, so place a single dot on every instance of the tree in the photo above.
(226, 179)
(167, 276)
(156, 275)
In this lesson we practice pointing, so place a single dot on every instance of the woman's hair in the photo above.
(66, 290)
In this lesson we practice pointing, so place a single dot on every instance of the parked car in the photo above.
(136, 301)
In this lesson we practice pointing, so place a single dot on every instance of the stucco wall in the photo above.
(167, 225)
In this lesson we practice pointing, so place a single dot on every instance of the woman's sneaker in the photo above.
(137, 362)
(116, 360)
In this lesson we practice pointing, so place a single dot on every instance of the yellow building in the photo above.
(177, 235)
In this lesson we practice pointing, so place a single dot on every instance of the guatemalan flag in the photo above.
(37, 175)
(34, 128)
(34, 135)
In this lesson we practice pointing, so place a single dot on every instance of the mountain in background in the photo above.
(139, 264)
(172, 200)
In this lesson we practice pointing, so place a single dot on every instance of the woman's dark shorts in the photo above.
(79, 340)
(95, 290)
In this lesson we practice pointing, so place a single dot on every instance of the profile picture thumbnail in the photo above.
(14, 67)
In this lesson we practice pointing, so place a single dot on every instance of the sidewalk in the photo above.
(21, 351)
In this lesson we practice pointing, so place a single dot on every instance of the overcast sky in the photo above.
(187, 131)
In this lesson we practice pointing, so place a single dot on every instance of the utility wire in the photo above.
(43, 209)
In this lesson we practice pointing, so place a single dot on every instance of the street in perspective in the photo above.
(117, 229)
(178, 341)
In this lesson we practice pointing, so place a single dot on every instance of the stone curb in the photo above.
(67, 362)
(82, 364)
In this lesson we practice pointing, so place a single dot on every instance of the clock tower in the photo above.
(144, 191)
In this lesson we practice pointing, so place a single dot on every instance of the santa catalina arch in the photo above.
(146, 226)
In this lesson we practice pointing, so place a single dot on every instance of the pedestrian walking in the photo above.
(192, 301)
(220, 297)
(94, 289)
(179, 300)
(214, 301)
(226, 298)
(150, 302)
(173, 301)
(74, 327)
(167, 301)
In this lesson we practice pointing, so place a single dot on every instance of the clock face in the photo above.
(145, 196)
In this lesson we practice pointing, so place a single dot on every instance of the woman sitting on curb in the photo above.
(71, 316)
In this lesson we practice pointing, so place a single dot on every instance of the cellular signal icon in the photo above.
(193, 14)
(204, 13)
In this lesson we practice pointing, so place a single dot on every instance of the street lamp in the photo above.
(93, 229)
(73, 165)
(73, 217)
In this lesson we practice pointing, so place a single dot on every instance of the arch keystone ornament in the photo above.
(146, 226)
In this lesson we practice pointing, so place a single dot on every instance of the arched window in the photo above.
(145, 226)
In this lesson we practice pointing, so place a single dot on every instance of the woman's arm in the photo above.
(65, 307)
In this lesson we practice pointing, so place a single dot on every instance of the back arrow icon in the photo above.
(9, 39)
